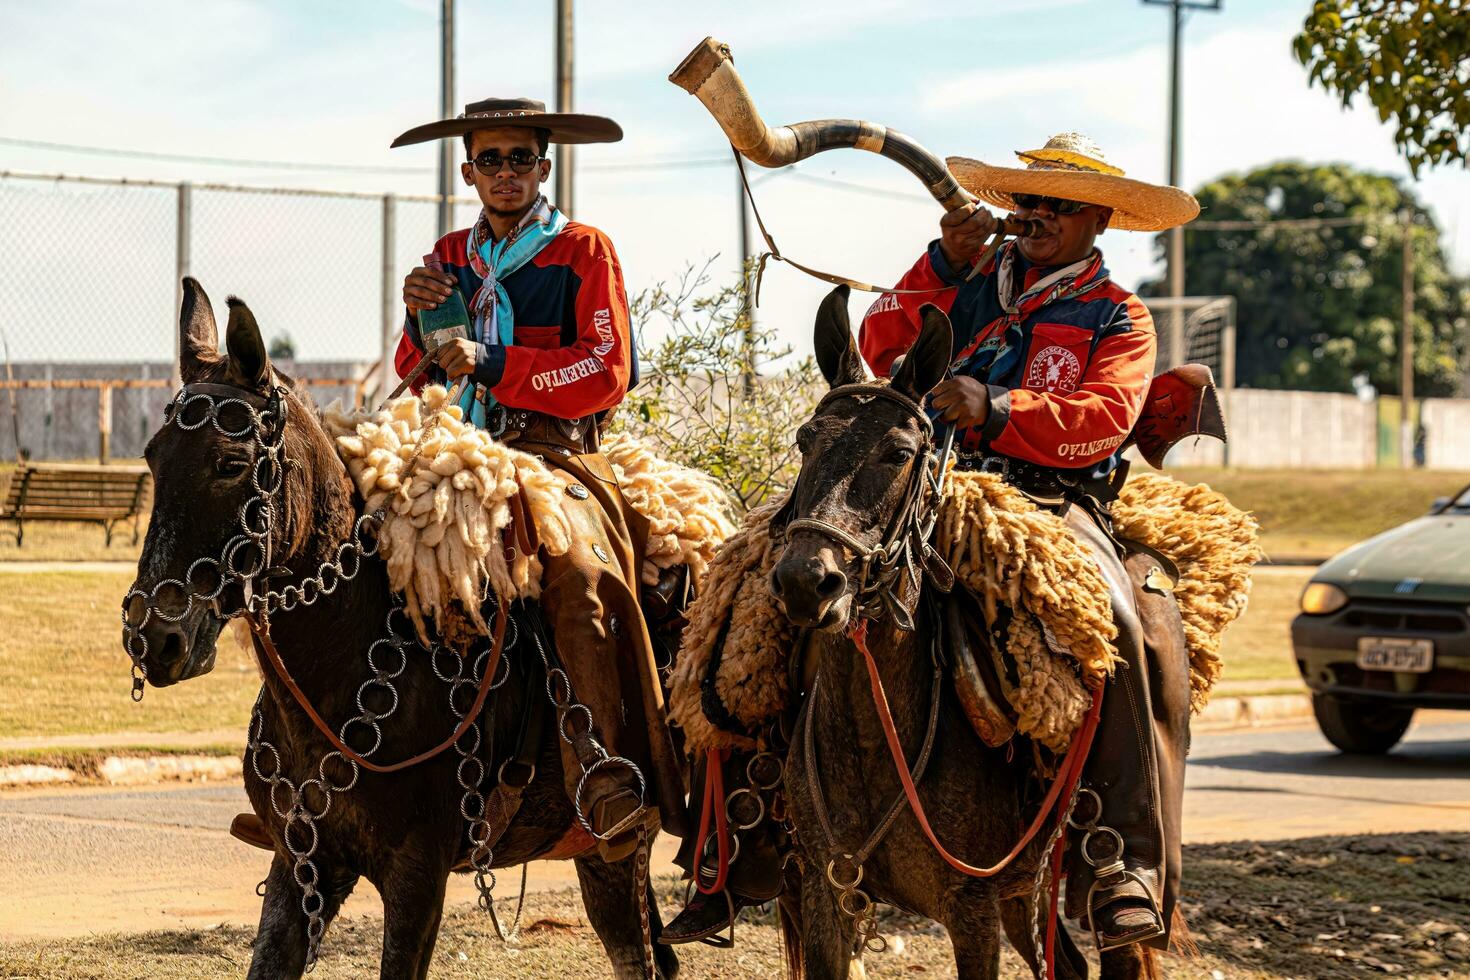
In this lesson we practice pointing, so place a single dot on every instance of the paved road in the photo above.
(98, 860)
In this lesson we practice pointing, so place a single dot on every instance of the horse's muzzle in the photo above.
(181, 650)
(812, 590)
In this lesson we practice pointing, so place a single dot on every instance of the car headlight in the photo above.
(1320, 598)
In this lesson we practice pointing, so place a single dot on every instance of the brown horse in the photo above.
(243, 471)
(863, 452)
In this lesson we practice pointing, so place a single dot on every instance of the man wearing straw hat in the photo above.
(550, 354)
(1052, 362)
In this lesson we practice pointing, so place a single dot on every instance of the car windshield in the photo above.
(1462, 502)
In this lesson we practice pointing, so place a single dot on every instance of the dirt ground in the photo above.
(1320, 907)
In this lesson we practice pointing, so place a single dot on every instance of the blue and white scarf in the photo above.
(493, 319)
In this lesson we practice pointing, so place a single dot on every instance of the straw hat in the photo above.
(563, 127)
(1072, 167)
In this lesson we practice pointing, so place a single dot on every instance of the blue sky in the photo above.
(335, 81)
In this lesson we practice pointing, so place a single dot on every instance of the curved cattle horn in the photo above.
(708, 74)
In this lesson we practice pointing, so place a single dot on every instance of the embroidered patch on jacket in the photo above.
(1054, 369)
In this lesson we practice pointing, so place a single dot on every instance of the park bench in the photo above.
(102, 495)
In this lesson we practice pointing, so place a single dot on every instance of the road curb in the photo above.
(1253, 711)
(115, 770)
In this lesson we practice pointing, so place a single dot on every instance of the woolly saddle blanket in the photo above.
(1006, 551)
(446, 489)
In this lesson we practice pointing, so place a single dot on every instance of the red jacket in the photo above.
(1066, 379)
(573, 353)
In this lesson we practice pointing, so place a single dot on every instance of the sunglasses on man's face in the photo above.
(521, 161)
(1057, 205)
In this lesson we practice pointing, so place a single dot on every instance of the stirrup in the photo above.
(621, 839)
(1117, 876)
(709, 936)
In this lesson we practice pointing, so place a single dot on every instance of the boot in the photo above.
(1124, 857)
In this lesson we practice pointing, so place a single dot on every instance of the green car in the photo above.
(1385, 629)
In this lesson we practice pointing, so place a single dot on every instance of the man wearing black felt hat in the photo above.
(549, 350)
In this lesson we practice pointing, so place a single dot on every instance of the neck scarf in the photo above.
(984, 360)
(490, 309)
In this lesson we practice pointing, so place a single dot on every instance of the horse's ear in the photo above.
(250, 365)
(837, 354)
(198, 336)
(925, 363)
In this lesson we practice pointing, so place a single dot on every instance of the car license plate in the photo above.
(1392, 653)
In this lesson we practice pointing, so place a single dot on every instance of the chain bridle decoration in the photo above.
(905, 547)
(246, 556)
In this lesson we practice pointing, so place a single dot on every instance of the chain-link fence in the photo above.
(1196, 330)
(90, 295)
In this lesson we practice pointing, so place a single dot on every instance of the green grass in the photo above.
(63, 670)
(1317, 513)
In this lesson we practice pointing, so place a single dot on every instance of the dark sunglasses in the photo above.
(1057, 205)
(490, 162)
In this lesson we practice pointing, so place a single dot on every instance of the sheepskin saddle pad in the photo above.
(1021, 564)
(448, 489)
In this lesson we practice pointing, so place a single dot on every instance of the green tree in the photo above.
(1318, 304)
(1409, 57)
(282, 347)
(693, 403)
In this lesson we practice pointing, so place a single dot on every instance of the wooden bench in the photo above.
(102, 495)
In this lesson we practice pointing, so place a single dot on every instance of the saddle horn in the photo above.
(708, 73)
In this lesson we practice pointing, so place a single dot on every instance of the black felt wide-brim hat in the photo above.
(564, 127)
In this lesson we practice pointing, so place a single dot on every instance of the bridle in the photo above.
(905, 547)
(246, 557)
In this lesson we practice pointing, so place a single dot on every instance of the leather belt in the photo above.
(1043, 481)
(575, 436)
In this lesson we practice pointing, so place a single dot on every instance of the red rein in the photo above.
(714, 802)
(1061, 788)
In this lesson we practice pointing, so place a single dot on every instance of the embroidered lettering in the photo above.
(547, 380)
(602, 323)
(1089, 448)
(884, 304)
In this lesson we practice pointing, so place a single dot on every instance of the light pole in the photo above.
(1176, 235)
(446, 108)
(564, 103)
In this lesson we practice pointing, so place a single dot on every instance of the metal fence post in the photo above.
(183, 245)
(104, 422)
(390, 295)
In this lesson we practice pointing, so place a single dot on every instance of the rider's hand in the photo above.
(425, 289)
(962, 234)
(457, 357)
(963, 401)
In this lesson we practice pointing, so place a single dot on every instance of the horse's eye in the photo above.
(899, 456)
(231, 467)
(804, 439)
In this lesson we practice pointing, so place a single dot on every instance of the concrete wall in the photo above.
(1290, 430)
(1446, 424)
(61, 423)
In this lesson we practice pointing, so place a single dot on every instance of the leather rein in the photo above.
(257, 616)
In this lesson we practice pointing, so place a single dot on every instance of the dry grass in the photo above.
(63, 670)
(1258, 645)
(67, 541)
(1324, 908)
(1317, 513)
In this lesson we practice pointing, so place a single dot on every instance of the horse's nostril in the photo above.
(776, 582)
(172, 649)
(831, 584)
